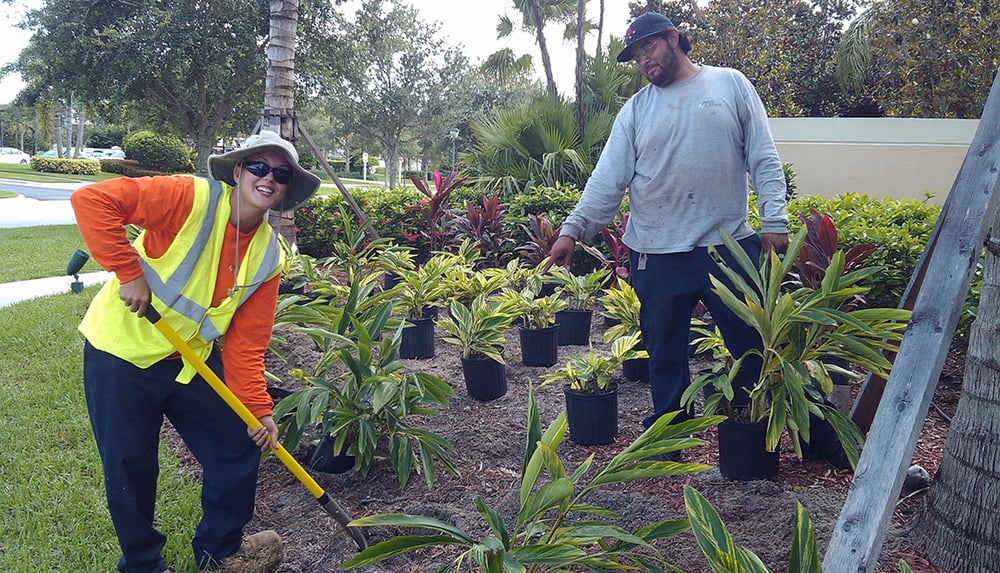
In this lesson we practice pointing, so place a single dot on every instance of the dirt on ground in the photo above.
(488, 440)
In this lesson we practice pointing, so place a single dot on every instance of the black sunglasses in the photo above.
(261, 169)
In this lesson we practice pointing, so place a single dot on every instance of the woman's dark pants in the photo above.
(126, 406)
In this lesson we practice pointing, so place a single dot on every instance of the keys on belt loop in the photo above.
(642, 262)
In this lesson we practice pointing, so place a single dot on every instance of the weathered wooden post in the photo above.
(958, 240)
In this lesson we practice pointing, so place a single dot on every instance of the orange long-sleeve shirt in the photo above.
(160, 205)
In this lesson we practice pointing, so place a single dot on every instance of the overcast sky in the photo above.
(470, 23)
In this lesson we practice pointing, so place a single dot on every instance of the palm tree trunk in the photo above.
(581, 55)
(79, 131)
(279, 93)
(536, 11)
(57, 120)
(959, 520)
(600, 29)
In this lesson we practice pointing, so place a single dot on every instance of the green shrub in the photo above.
(106, 136)
(157, 152)
(67, 166)
(899, 228)
(316, 220)
(127, 167)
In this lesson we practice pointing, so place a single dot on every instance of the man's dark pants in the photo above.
(668, 288)
(126, 406)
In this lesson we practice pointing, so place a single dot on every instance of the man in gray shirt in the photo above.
(682, 148)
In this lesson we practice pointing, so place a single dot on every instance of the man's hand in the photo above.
(561, 253)
(266, 435)
(774, 241)
(136, 295)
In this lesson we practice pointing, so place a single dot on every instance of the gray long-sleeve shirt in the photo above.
(683, 153)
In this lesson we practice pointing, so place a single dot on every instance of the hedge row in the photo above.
(899, 228)
(65, 165)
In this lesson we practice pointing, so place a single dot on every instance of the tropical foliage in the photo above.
(922, 58)
(592, 372)
(800, 330)
(358, 392)
(556, 528)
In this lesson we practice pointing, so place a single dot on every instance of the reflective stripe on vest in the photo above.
(183, 282)
(170, 291)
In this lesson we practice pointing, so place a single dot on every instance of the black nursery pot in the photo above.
(539, 347)
(574, 327)
(324, 459)
(742, 455)
(636, 369)
(418, 340)
(485, 378)
(592, 417)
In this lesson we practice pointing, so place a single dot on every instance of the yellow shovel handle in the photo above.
(328, 504)
(226, 394)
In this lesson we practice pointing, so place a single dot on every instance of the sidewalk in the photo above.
(11, 293)
(23, 211)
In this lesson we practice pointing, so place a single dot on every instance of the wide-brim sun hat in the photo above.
(303, 185)
(646, 25)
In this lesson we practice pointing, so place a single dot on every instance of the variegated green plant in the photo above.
(592, 372)
(800, 328)
(622, 305)
(478, 329)
(536, 312)
(555, 528)
(580, 291)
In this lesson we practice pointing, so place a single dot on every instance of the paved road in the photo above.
(37, 204)
(40, 191)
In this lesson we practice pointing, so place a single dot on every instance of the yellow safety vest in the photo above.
(182, 282)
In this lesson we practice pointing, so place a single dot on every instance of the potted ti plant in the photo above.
(615, 255)
(580, 293)
(538, 330)
(478, 330)
(542, 235)
(591, 394)
(362, 400)
(799, 329)
(621, 304)
(543, 533)
(418, 294)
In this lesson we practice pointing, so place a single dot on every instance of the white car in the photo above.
(14, 155)
(113, 153)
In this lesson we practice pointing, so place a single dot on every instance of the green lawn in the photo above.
(51, 489)
(38, 252)
(20, 172)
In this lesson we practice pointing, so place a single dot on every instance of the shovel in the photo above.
(328, 504)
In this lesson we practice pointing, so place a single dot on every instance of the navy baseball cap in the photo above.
(649, 24)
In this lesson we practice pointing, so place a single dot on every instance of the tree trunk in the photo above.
(543, 48)
(581, 56)
(57, 128)
(279, 93)
(600, 29)
(204, 143)
(392, 166)
(79, 131)
(959, 520)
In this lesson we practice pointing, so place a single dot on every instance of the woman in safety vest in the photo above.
(210, 265)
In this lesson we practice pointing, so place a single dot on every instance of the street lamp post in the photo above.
(453, 134)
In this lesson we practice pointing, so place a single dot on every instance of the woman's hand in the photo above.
(136, 295)
(266, 435)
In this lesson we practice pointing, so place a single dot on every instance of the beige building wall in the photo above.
(879, 157)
